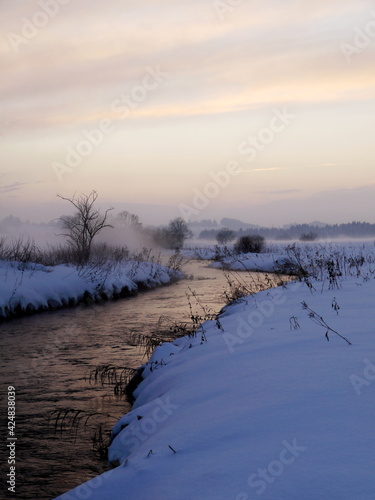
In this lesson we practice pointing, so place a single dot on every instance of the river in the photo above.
(47, 358)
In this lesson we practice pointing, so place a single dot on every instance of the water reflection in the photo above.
(47, 358)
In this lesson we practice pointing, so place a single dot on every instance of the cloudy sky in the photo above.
(149, 103)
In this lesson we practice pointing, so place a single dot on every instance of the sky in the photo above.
(259, 110)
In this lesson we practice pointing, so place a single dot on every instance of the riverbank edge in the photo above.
(87, 298)
(137, 378)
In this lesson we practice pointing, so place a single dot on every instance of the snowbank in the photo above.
(30, 287)
(262, 262)
(263, 405)
(225, 258)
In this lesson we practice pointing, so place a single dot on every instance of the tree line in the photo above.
(304, 232)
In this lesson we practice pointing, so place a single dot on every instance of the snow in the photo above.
(225, 258)
(30, 287)
(261, 405)
(266, 262)
(273, 258)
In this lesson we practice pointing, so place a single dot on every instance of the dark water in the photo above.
(47, 358)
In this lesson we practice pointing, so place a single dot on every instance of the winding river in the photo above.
(47, 358)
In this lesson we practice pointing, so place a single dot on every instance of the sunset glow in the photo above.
(166, 93)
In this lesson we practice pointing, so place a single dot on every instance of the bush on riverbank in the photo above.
(250, 244)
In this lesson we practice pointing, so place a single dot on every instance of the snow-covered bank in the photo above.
(276, 255)
(225, 258)
(27, 288)
(268, 403)
(262, 262)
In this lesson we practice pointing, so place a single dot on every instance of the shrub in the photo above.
(308, 237)
(20, 250)
(250, 244)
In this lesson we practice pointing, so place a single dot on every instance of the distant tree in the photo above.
(82, 227)
(250, 244)
(225, 235)
(129, 219)
(178, 231)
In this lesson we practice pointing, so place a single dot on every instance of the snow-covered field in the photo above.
(267, 262)
(32, 287)
(275, 254)
(271, 402)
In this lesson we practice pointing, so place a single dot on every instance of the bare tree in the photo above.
(82, 227)
(178, 231)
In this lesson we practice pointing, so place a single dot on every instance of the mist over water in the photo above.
(46, 235)
(49, 235)
(42, 234)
